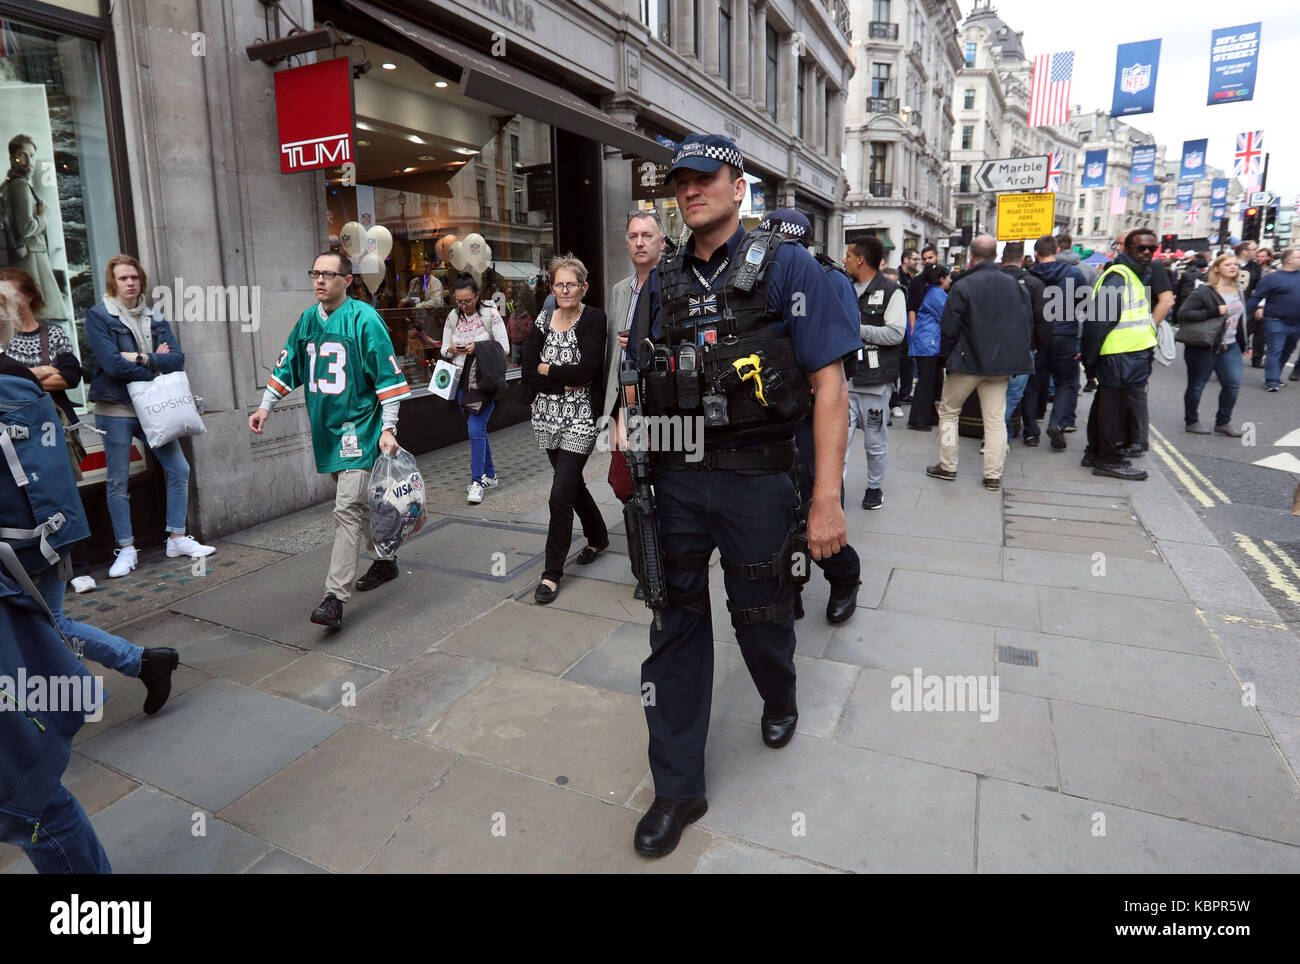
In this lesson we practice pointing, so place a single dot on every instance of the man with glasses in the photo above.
(341, 352)
(1117, 345)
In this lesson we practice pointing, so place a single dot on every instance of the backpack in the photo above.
(40, 509)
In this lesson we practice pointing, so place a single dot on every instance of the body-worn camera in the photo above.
(715, 410)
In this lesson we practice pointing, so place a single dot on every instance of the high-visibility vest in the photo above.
(1135, 330)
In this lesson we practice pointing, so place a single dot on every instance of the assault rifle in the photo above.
(639, 517)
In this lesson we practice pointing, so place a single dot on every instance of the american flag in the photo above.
(9, 39)
(1055, 162)
(1250, 154)
(1194, 212)
(1049, 101)
(1118, 199)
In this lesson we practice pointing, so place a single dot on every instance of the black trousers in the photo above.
(904, 372)
(1033, 403)
(1257, 346)
(569, 493)
(929, 387)
(841, 569)
(1121, 385)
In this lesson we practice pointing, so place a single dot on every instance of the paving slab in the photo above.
(1285, 731)
(937, 502)
(947, 524)
(149, 832)
(1025, 830)
(1012, 740)
(1213, 578)
(736, 857)
(1153, 682)
(615, 662)
(1066, 570)
(1156, 623)
(1072, 530)
(1033, 536)
(216, 650)
(320, 681)
(278, 861)
(1084, 484)
(903, 641)
(126, 700)
(482, 819)
(596, 597)
(1166, 514)
(1119, 517)
(1264, 653)
(530, 636)
(591, 740)
(408, 700)
(839, 805)
(823, 688)
(219, 741)
(1221, 778)
(384, 627)
(1022, 496)
(610, 566)
(931, 555)
(994, 603)
(339, 804)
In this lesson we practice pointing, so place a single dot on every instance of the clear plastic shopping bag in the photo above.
(396, 498)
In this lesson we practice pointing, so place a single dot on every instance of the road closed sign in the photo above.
(1022, 216)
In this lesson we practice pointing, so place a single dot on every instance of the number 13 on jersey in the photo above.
(334, 358)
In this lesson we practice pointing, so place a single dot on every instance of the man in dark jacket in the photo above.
(1279, 317)
(1064, 286)
(1118, 339)
(986, 334)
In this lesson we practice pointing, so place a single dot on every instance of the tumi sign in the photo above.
(313, 112)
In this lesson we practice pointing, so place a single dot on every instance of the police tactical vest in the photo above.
(1134, 332)
(726, 324)
(871, 306)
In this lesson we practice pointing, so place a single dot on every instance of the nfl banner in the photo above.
(1136, 66)
(1217, 212)
(1219, 192)
(1094, 169)
(1143, 167)
(1185, 190)
(1234, 55)
(1151, 198)
(1193, 165)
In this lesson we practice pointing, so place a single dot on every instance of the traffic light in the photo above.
(1250, 225)
(1270, 221)
(1168, 242)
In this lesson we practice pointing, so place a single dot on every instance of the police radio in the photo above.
(688, 376)
(751, 269)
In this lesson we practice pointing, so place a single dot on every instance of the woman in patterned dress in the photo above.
(563, 359)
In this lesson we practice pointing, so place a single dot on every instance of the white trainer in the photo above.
(489, 481)
(187, 546)
(475, 493)
(124, 563)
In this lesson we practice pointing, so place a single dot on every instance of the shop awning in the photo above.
(496, 81)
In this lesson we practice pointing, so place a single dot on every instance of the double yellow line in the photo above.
(1280, 569)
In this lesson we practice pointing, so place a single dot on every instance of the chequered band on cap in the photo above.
(783, 227)
(724, 155)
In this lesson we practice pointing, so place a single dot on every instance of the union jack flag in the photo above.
(1249, 159)
(1055, 164)
(698, 306)
(1194, 212)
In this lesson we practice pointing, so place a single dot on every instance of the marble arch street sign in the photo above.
(1014, 174)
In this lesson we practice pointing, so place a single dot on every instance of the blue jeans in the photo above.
(111, 652)
(480, 449)
(1015, 392)
(1065, 375)
(1201, 362)
(1281, 339)
(65, 841)
(117, 457)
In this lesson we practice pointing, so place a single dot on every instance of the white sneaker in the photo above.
(897, 412)
(489, 481)
(475, 494)
(124, 563)
(187, 546)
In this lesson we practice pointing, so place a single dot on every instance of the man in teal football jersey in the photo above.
(341, 352)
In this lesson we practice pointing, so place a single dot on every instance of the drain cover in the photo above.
(1017, 657)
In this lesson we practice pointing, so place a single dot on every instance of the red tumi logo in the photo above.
(313, 107)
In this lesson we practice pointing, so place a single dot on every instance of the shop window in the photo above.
(657, 15)
(447, 213)
(58, 194)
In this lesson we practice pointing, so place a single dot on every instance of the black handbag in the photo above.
(1202, 334)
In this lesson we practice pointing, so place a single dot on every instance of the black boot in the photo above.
(380, 571)
(659, 830)
(156, 666)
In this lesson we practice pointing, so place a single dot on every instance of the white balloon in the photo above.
(379, 242)
(479, 252)
(352, 238)
(459, 256)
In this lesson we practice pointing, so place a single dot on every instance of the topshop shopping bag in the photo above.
(165, 408)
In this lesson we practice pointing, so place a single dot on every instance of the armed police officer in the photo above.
(738, 330)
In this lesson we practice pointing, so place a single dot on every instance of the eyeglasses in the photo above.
(327, 275)
(1145, 247)
(567, 286)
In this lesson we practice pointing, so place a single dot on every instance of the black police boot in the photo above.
(156, 666)
(840, 606)
(659, 830)
(778, 728)
(380, 571)
(639, 591)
